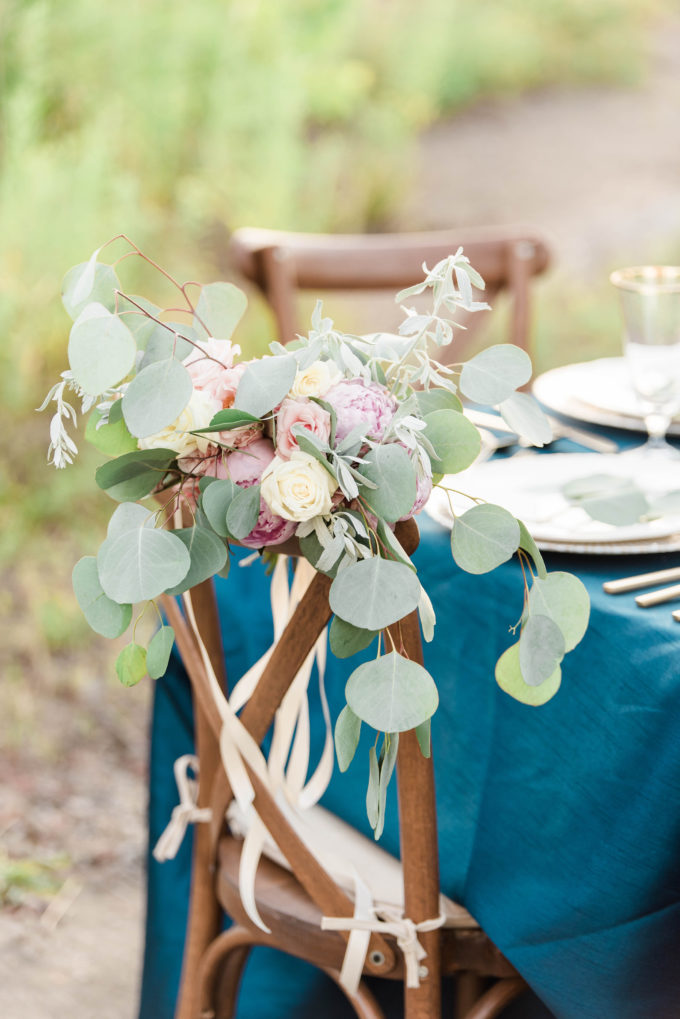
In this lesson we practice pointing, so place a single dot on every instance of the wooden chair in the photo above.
(284, 264)
(293, 899)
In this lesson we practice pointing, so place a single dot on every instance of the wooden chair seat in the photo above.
(295, 920)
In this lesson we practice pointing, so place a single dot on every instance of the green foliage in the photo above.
(106, 617)
(391, 693)
(264, 384)
(156, 397)
(495, 373)
(220, 308)
(390, 469)
(374, 593)
(484, 537)
(158, 653)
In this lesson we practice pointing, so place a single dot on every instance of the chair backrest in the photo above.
(284, 264)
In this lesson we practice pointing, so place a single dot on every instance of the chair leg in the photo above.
(469, 989)
(494, 1001)
(220, 973)
(362, 1001)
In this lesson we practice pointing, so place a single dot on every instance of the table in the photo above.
(559, 826)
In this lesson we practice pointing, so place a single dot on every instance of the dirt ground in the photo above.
(598, 170)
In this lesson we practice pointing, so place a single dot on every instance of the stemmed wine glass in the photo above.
(650, 300)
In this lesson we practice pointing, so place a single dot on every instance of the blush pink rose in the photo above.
(356, 403)
(303, 412)
(245, 468)
(215, 373)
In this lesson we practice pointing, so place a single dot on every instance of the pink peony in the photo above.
(356, 403)
(245, 468)
(300, 412)
(270, 529)
(215, 374)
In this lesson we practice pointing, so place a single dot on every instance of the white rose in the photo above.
(198, 413)
(316, 380)
(299, 488)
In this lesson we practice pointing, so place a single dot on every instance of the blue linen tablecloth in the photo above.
(559, 826)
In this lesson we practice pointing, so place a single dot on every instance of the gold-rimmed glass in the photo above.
(650, 302)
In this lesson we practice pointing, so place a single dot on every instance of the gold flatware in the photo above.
(598, 443)
(642, 580)
(645, 601)
(676, 615)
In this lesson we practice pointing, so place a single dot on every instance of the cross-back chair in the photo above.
(283, 265)
(308, 911)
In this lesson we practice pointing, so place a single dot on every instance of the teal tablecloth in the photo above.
(559, 826)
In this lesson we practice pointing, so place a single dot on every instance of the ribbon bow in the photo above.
(185, 813)
(389, 921)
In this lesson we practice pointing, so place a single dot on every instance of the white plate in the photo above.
(529, 486)
(598, 392)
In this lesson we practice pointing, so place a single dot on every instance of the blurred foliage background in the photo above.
(176, 122)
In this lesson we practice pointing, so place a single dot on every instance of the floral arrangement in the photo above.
(330, 440)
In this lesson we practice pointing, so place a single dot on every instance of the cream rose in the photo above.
(299, 488)
(198, 413)
(316, 380)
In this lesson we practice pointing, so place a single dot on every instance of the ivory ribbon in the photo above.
(391, 922)
(285, 774)
(185, 813)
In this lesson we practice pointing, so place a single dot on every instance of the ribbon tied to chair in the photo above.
(185, 813)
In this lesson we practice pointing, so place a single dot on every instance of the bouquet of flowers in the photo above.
(328, 441)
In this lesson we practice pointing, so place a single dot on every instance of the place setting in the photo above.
(605, 501)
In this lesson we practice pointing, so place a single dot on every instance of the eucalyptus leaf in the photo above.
(525, 417)
(495, 373)
(529, 545)
(391, 693)
(484, 537)
(140, 325)
(101, 350)
(427, 615)
(243, 511)
(619, 510)
(131, 664)
(158, 653)
(129, 516)
(388, 759)
(456, 441)
(139, 565)
(391, 470)
(423, 737)
(163, 342)
(541, 649)
(392, 543)
(346, 736)
(595, 485)
(564, 598)
(207, 553)
(105, 616)
(156, 397)
(347, 640)
(437, 399)
(102, 291)
(374, 593)
(373, 790)
(264, 384)
(220, 308)
(134, 475)
(215, 501)
(509, 678)
(112, 438)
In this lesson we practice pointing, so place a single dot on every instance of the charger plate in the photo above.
(529, 486)
(597, 392)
